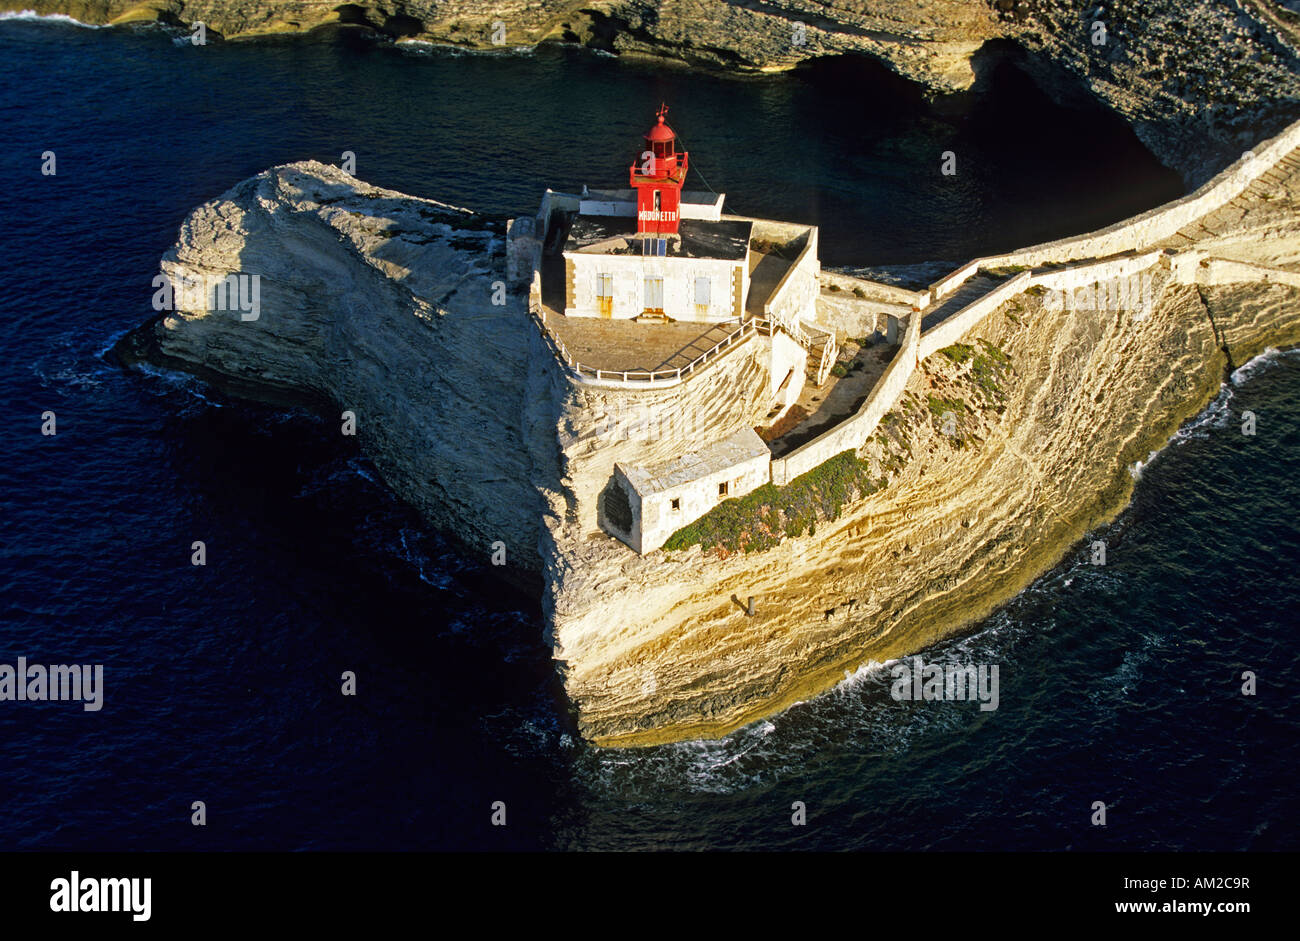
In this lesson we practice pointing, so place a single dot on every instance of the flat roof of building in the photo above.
(616, 235)
(735, 449)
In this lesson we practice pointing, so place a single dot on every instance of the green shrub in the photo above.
(958, 352)
(939, 406)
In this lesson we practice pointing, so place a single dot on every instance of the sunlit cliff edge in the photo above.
(403, 311)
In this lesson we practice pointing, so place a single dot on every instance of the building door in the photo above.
(703, 292)
(654, 294)
(605, 295)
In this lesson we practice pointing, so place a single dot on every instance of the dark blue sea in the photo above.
(1118, 683)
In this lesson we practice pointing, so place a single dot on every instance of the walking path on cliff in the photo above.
(1239, 230)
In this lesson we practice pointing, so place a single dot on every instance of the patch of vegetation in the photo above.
(1036, 290)
(758, 520)
(988, 369)
(958, 352)
(833, 288)
(939, 406)
(858, 292)
(839, 370)
(994, 353)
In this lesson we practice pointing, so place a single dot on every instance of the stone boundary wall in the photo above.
(956, 326)
(1152, 226)
(853, 432)
(773, 230)
(797, 290)
(876, 290)
(849, 315)
(1065, 280)
(1214, 271)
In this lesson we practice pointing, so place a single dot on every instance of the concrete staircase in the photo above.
(822, 351)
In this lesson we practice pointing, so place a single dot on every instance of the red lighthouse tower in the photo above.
(657, 176)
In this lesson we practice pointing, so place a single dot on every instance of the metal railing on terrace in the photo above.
(585, 372)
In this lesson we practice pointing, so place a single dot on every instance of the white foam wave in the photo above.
(1136, 469)
(417, 47)
(31, 16)
(1218, 414)
(1263, 361)
(1215, 415)
(182, 381)
(429, 574)
(867, 671)
(455, 51)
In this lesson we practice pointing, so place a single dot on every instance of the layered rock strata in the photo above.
(398, 309)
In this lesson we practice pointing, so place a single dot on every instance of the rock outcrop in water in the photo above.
(381, 304)
(1198, 80)
(392, 307)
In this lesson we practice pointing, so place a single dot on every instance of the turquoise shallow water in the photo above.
(1117, 683)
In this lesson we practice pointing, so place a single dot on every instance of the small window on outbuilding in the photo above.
(722, 489)
(677, 503)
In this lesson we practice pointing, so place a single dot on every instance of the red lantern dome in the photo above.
(661, 131)
(657, 175)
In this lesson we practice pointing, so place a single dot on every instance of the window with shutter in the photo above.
(605, 294)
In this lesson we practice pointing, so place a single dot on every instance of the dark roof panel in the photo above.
(727, 239)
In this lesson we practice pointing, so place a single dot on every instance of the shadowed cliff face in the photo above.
(381, 305)
(1198, 80)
